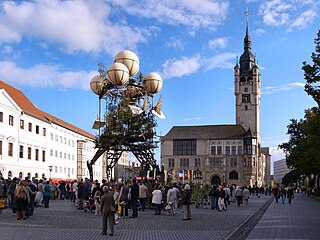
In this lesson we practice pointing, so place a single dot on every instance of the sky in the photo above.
(50, 50)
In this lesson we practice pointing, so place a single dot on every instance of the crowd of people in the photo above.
(113, 200)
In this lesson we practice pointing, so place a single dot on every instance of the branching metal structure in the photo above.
(129, 122)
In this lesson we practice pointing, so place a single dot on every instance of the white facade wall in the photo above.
(280, 169)
(48, 143)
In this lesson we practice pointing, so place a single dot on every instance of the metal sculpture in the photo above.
(129, 120)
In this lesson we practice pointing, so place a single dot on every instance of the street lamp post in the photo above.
(50, 169)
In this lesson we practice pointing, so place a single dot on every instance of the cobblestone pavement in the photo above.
(299, 220)
(63, 221)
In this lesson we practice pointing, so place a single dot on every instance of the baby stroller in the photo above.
(90, 204)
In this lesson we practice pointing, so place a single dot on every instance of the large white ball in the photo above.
(118, 74)
(130, 59)
(153, 82)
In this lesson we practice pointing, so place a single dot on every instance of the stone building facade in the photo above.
(230, 154)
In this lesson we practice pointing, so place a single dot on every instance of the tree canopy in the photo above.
(302, 150)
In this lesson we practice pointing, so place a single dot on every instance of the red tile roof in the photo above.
(30, 109)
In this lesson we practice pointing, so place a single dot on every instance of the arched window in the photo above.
(242, 79)
(233, 175)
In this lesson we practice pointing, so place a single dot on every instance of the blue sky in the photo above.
(50, 49)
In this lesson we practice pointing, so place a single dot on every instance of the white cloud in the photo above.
(282, 88)
(225, 60)
(182, 67)
(189, 65)
(175, 43)
(44, 76)
(195, 14)
(304, 19)
(76, 25)
(218, 43)
(287, 13)
(259, 32)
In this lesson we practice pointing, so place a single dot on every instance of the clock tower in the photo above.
(247, 89)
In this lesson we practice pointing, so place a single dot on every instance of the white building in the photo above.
(280, 169)
(36, 144)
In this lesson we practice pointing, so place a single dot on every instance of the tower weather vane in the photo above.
(129, 121)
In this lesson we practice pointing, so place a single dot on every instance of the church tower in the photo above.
(247, 89)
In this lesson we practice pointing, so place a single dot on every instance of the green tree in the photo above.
(302, 150)
(312, 73)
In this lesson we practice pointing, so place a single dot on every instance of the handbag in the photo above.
(167, 207)
(113, 209)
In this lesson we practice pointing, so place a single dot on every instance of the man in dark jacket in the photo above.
(134, 198)
(108, 210)
(81, 195)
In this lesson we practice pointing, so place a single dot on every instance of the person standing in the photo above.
(275, 192)
(221, 202)
(186, 202)
(171, 200)
(20, 195)
(81, 193)
(238, 194)
(124, 193)
(134, 198)
(143, 193)
(283, 194)
(46, 194)
(246, 195)
(156, 200)
(290, 194)
(108, 209)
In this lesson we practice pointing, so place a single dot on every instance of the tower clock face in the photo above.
(245, 98)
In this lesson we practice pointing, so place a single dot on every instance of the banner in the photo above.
(180, 174)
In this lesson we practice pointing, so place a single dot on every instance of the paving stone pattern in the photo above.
(63, 221)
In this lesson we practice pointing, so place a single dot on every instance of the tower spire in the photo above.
(247, 40)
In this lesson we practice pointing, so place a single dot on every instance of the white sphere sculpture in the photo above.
(130, 59)
(118, 74)
(97, 85)
(153, 82)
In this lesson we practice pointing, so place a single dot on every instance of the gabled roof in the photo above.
(206, 132)
(30, 109)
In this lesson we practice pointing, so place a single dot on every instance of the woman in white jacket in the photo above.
(156, 200)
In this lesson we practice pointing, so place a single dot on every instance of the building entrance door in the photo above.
(215, 180)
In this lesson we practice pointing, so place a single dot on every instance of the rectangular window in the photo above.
(10, 149)
(184, 147)
(215, 162)
(29, 153)
(227, 149)
(37, 129)
(30, 127)
(56, 153)
(65, 156)
(51, 152)
(56, 169)
(239, 150)
(44, 132)
(51, 136)
(1, 116)
(171, 162)
(233, 162)
(10, 120)
(197, 162)
(213, 150)
(0, 147)
(37, 154)
(21, 152)
(60, 154)
(219, 150)
(184, 162)
(21, 124)
(234, 150)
